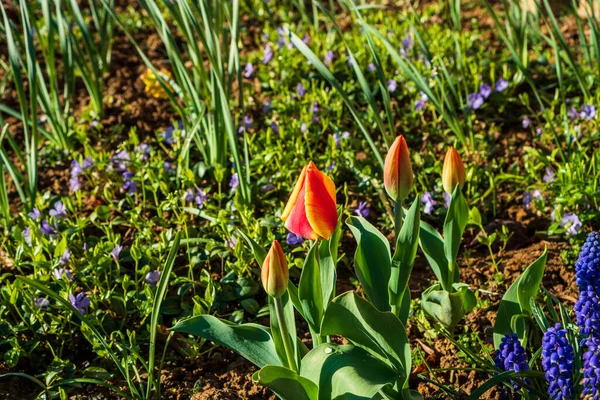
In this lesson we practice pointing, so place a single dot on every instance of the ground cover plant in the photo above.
(301, 200)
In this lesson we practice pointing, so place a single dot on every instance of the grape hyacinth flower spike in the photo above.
(557, 361)
(511, 356)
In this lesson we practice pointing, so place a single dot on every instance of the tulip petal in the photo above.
(319, 200)
(294, 196)
(297, 221)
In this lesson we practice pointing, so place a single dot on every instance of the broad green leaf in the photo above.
(432, 245)
(310, 292)
(327, 262)
(346, 372)
(380, 333)
(454, 227)
(404, 256)
(251, 341)
(517, 293)
(286, 384)
(372, 261)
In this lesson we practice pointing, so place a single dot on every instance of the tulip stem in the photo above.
(397, 218)
(287, 344)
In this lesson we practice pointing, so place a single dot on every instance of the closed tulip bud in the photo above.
(274, 273)
(397, 170)
(311, 210)
(453, 172)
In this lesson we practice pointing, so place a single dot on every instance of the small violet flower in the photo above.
(152, 278)
(428, 202)
(549, 175)
(501, 85)
(485, 90)
(392, 85)
(301, 90)
(59, 211)
(198, 197)
(60, 272)
(475, 100)
(234, 182)
(572, 223)
(42, 303)
(64, 259)
(80, 302)
(588, 112)
(292, 239)
(267, 54)
(27, 235)
(329, 57)
(526, 122)
(248, 70)
(116, 251)
(35, 214)
(362, 210)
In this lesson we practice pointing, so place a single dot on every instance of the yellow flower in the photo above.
(153, 86)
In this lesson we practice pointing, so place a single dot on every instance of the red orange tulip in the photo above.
(397, 170)
(311, 210)
(274, 273)
(453, 172)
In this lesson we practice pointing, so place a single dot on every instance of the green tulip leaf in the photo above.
(288, 312)
(251, 341)
(432, 245)
(346, 372)
(372, 261)
(446, 307)
(327, 262)
(380, 333)
(287, 384)
(454, 227)
(404, 257)
(517, 300)
(310, 293)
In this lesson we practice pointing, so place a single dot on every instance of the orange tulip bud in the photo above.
(397, 170)
(311, 211)
(274, 273)
(453, 172)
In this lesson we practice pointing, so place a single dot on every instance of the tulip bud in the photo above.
(453, 172)
(311, 210)
(274, 273)
(397, 170)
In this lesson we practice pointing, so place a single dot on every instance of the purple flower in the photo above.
(246, 124)
(331, 166)
(59, 211)
(538, 131)
(27, 235)
(300, 89)
(549, 175)
(231, 242)
(74, 184)
(421, 102)
(115, 252)
(121, 159)
(87, 163)
(168, 167)
(345, 135)
(362, 210)
(64, 259)
(591, 368)
(95, 123)
(557, 361)
(371, 67)
(392, 85)
(234, 182)
(303, 128)
(475, 101)
(60, 272)
(268, 187)
(428, 202)
(275, 128)
(501, 85)
(526, 122)
(537, 195)
(315, 108)
(407, 42)
(293, 239)
(337, 140)
(511, 356)
(329, 57)
(152, 278)
(267, 105)
(129, 186)
(198, 197)
(572, 114)
(447, 199)
(587, 311)
(587, 267)
(42, 303)
(527, 199)
(47, 229)
(35, 214)
(76, 169)
(80, 302)
(248, 70)
(485, 90)
(572, 223)
(144, 150)
(268, 54)
(588, 112)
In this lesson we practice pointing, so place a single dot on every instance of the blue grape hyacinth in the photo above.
(587, 312)
(587, 267)
(511, 356)
(591, 368)
(557, 361)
